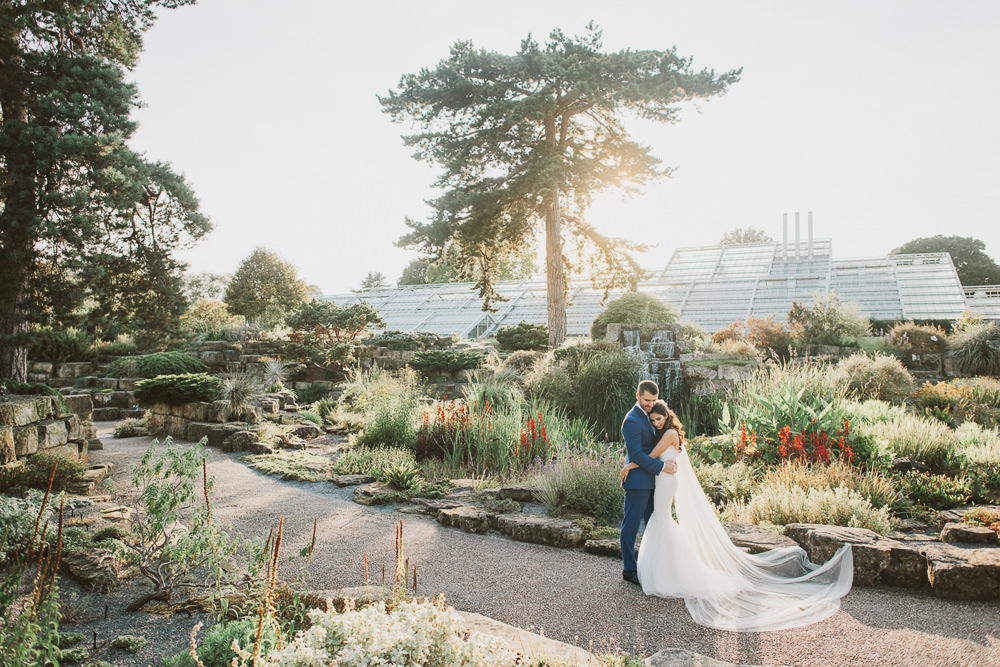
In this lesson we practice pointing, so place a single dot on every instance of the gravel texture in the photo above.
(564, 594)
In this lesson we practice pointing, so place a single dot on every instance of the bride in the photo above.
(723, 587)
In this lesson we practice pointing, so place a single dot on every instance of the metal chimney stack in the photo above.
(784, 236)
(810, 234)
(797, 236)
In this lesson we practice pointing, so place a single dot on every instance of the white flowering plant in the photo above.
(413, 633)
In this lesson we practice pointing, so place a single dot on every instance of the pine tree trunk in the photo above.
(554, 273)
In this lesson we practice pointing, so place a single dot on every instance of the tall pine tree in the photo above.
(78, 208)
(525, 141)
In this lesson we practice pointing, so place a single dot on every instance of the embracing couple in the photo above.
(692, 557)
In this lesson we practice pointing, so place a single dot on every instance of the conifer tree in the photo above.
(525, 140)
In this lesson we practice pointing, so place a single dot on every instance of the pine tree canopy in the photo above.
(82, 216)
(529, 138)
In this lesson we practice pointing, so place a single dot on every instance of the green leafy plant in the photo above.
(59, 346)
(216, 649)
(605, 390)
(156, 364)
(165, 551)
(942, 401)
(976, 349)
(935, 491)
(523, 336)
(129, 643)
(389, 403)
(311, 394)
(178, 389)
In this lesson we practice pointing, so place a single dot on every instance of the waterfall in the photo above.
(659, 357)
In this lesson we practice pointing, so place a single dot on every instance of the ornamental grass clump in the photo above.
(583, 483)
(605, 390)
(390, 404)
(976, 349)
(780, 505)
(727, 482)
(928, 441)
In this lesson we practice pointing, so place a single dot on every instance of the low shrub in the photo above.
(155, 365)
(780, 505)
(935, 491)
(727, 482)
(127, 428)
(59, 346)
(880, 378)
(129, 643)
(371, 461)
(928, 441)
(766, 334)
(828, 321)
(122, 346)
(18, 517)
(390, 404)
(588, 484)
(498, 392)
(942, 401)
(982, 390)
(976, 349)
(983, 516)
(521, 362)
(634, 308)
(552, 382)
(290, 465)
(311, 394)
(413, 633)
(523, 336)
(913, 338)
(431, 362)
(178, 389)
(8, 386)
(35, 471)
(311, 417)
(216, 648)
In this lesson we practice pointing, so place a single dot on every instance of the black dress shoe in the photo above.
(631, 576)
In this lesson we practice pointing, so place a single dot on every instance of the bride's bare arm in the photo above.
(667, 440)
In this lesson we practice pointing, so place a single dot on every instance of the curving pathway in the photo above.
(570, 595)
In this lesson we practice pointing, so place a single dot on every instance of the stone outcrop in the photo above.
(35, 424)
(950, 571)
(351, 480)
(754, 539)
(468, 518)
(97, 569)
(378, 493)
(540, 530)
(240, 441)
(522, 493)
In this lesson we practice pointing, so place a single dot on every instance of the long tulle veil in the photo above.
(775, 590)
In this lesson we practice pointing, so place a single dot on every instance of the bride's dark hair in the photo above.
(673, 421)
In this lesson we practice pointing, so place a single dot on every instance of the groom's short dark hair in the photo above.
(648, 387)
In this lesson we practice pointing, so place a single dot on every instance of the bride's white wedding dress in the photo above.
(723, 587)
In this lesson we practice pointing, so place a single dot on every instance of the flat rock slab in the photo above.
(755, 539)
(378, 493)
(352, 480)
(97, 569)
(539, 529)
(429, 507)
(966, 534)
(522, 493)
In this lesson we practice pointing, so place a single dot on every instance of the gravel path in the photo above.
(566, 595)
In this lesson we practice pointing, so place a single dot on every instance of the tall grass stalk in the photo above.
(978, 445)
(606, 390)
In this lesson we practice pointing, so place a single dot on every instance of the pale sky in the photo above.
(880, 117)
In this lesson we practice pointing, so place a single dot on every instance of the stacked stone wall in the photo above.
(32, 425)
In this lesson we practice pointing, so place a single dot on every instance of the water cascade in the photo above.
(660, 359)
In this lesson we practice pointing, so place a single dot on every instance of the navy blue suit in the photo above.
(640, 439)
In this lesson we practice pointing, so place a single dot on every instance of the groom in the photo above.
(640, 439)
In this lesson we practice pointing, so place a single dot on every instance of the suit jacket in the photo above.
(640, 439)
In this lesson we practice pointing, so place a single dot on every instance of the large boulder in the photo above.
(240, 441)
(877, 559)
(97, 569)
(82, 405)
(963, 533)
(307, 430)
(963, 574)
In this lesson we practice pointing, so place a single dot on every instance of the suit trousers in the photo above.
(638, 509)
